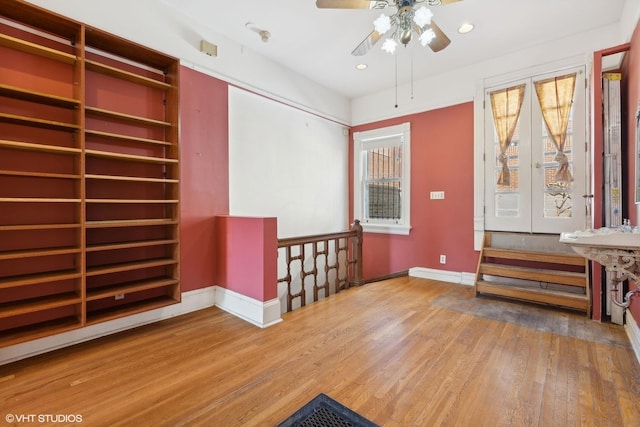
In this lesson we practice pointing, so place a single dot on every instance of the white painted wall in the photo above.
(286, 163)
(155, 25)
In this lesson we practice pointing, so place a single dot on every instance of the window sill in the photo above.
(386, 228)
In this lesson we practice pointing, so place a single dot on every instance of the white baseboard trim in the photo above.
(253, 311)
(261, 314)
(633, 331)
(461, 278)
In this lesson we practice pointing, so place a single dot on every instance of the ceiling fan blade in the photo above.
(440, 41)
(343, 4)
(367, 43)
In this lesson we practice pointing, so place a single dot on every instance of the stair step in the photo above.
(545, 296)
(533, 256)
(512, 265)
(534, 274)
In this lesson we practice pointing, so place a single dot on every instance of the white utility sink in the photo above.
(615, 249)
(602, 238)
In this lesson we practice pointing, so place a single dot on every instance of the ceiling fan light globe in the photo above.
(389, 46)
(422, 16)
(427, 36)
(382, 24)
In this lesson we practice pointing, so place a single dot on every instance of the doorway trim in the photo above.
(479, 129)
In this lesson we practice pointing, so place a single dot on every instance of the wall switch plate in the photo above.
(437, 195)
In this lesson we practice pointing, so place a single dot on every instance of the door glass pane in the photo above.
(558, 201)
(507, 197)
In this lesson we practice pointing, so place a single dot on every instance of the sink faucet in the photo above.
(626, 226)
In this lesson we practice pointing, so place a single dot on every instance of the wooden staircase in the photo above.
(535, 268)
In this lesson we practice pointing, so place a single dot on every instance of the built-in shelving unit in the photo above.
(37, 49)
(89, 175)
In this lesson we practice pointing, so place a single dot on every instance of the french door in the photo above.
(533, 198)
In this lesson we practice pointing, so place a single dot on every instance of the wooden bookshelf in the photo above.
(127, 137)
(18, 145)
(36, 49)
(36, 122)
(126, 117)
(129, 157)
(131, 166)
(126, 75)
(33, 96)
(89, 185)
(32, 279)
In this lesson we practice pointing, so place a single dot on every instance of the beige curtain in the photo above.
(556, 98)
(505, 105)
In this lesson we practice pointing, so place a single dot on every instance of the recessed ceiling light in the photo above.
(465, 28)
(361, 66)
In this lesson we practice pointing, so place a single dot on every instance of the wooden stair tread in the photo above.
(534, 256)
(535, 274)
(566, 287)
(510, 285)
(546, 296)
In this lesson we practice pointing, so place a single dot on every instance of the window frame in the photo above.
(362, 142)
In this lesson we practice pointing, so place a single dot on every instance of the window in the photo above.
(381, 179)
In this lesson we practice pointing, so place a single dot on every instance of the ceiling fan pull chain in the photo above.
(396, 56)
(412, 74)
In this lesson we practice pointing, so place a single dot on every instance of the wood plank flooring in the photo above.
(402, 352)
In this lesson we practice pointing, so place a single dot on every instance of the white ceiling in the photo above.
(317, 43)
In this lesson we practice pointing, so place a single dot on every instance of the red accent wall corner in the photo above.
(204, 173)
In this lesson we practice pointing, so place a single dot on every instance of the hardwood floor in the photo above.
(402, 352)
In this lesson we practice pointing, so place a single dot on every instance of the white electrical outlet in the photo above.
(443, 259)
(437, 195)
(119, 297)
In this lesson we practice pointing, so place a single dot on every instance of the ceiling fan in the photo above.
(404, 22)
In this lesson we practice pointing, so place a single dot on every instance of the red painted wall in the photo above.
(631, 71)
(246, 260)
(441, 160)
(204, 173)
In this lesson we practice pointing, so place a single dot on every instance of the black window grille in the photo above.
(383, 183)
